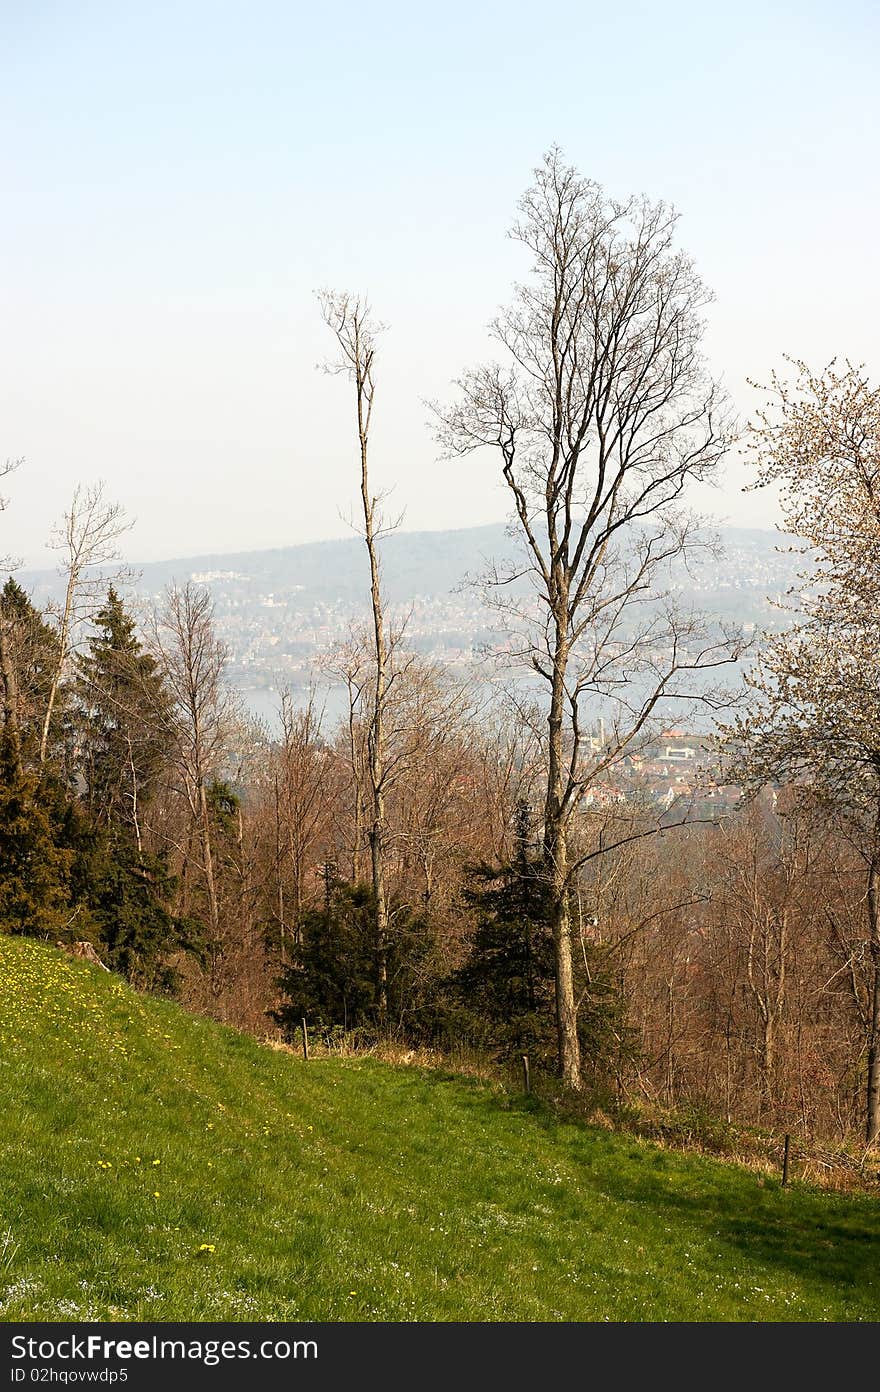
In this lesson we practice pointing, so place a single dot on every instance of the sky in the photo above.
(178, 180)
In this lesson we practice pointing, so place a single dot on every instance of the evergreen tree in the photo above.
(507, 984)
(121, 722)
(507, 980)
(139, 935)
(34, 868)
(28, 657)
(122, 719)
(332, 979)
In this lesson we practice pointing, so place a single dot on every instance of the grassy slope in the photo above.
(132, 1134)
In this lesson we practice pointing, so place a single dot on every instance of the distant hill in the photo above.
(426, 564)
(278, 609)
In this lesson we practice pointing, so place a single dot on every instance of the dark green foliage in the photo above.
(505, 991)
(223, 806)
(137, 932)
(73, 865)
(506, 984)
(34, 866)
(122, 720)
(29, 651)
(333, 977)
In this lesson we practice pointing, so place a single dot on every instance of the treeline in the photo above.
(722, 966)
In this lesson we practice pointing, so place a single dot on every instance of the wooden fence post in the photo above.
(527, 1082)
(785, 1158)
(305, 1034)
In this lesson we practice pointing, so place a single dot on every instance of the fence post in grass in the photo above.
(527, 1082)
(785, 1158)
(305, 1034)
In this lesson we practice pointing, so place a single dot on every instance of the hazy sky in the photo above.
(179, 178)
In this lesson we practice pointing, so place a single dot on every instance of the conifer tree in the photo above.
(123, 709)
(28, 656)
(34, 868)
(122, 723)
(507, 979)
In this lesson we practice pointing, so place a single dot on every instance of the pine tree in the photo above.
(122, 719)
(34, 868)
(507, 983)
(121, 722)
(333, 979)
(28, 657)
(507, 980)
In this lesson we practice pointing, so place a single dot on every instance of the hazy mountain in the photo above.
(278, 609)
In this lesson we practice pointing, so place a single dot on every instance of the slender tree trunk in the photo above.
(556, 862)
(872, 1119)
(376, 737)
(9, 678)
(350, 321)
(279, 873)
(208, 861)
(358, 790)
(63, 639)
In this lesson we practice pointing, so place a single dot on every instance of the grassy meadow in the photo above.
(156, 1166)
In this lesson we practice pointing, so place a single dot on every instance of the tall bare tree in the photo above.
(193, 659)
(87, 538)
(816, 720)
(351, 322)
(602, 414)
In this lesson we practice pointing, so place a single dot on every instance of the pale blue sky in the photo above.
(179, 178)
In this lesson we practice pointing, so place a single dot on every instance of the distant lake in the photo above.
(265, 704)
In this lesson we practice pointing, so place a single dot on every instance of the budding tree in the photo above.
(816, 718)
(602, 413)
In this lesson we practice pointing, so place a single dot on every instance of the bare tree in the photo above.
(300, 796)
(7, 667)
(351, 322)
(87, 538)
(602, 415)
(193, 659)
(816, 719)
(347, 662)
(6, 468)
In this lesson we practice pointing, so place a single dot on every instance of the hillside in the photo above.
(156, 1166)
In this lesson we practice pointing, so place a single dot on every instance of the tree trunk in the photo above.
(376, 739)
(208, 860)
(872, 1119)
(556, 862)
(10, 696)
(63, 639)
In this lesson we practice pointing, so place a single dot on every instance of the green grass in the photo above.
(132, 1134)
